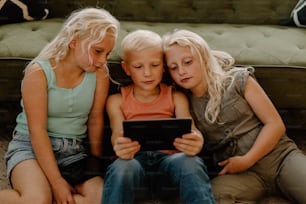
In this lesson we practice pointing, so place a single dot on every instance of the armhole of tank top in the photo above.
(47, 69)
(244, 76)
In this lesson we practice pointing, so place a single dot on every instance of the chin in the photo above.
(91, 69)
(185, 85)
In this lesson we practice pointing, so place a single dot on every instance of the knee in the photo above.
(292, 177)
(122, 167)
(224, 199)
(91, 190)
(223, 195)
(233, 188)
(182, 160)
(93, 186)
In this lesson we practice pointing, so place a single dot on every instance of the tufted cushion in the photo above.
(249, 44)
(25, 40)
(277, 52)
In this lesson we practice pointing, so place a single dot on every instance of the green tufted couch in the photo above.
(250, 31)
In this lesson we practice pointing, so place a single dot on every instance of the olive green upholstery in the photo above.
(251, 31)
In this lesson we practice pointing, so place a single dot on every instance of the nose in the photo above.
(146, 71)
(181, 70)
(102, 59)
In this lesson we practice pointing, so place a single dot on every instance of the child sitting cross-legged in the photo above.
(127, 178)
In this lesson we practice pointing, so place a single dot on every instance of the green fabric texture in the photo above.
(25, 40)
(190, 11)
(249, 44)
(249, 30)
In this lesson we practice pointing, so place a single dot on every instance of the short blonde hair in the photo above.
(139, 40)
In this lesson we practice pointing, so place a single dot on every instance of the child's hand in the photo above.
(191, 143)
(232, 165)
(125, 148)
(63, 192)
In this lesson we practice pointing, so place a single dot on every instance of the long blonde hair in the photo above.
(213, 64)
(89, 24)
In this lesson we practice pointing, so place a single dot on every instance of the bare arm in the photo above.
(96, 116)
(273, 128)
(191, 143)
(34, 95)
(269, 135)
(123, 146)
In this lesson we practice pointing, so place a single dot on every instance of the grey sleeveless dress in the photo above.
(239, 130)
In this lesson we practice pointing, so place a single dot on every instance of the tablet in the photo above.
(156, 134)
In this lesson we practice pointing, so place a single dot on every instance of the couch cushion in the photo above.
(25, 40)
(277, 52)
(249, 44)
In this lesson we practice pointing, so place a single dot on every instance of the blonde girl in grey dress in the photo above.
(243, 131)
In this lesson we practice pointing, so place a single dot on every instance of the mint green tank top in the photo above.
(68, 108)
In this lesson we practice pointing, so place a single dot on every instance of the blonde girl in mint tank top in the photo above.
(63, 95)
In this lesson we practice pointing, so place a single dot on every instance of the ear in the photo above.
(125, 68)
(73, 43)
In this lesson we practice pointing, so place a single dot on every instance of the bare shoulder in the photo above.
(179, 96)
(113, 105)
(114, 99)
(102, 73)
(102, 77)
(181, 104)
(34, 71)
(34, 68)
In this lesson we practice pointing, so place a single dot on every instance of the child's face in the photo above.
(184, 67)
(145, 67)
(96, 57)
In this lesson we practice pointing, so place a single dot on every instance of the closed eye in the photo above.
(172, 67)
(137, 66)
(155, 65)
(188, 62)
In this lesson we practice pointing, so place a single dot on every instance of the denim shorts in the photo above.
(68, 152)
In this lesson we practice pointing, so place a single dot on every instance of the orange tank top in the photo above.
(161, 107)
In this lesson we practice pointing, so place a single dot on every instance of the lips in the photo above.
(186, 79)
(149, 82)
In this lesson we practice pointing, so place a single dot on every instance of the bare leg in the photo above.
(90, 191)
(30, 185)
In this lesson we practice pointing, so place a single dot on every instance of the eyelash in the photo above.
(172, 68)
(187, 62)
(139, 66)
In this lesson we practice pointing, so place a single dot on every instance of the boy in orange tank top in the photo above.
(130, 178)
